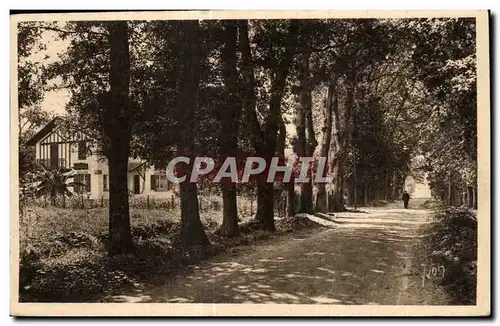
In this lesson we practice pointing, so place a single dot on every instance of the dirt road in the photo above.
(373, 256)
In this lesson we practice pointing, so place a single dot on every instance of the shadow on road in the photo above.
(364, 260)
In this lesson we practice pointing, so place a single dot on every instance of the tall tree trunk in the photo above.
(289, 186)
(290, 199)
(470, 197)
(192, 233)
(474, 197)
(230, 116)
(265, 206)
(304, 123)
(387, 186)
(394, 193)
(337, 198)
(265, 138)
(342, 125)
(365, 194)
(229, 227)
(331, 100)
(117, 128)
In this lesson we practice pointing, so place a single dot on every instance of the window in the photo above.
(82, 178)
(82, 150)
(105, 182)
(159, 183)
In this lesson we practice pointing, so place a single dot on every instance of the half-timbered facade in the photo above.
(58, 147)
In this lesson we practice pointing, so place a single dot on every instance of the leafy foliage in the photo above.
(449, 75)
(453, 239)
(54, 183)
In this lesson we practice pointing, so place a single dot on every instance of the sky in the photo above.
(54, 101)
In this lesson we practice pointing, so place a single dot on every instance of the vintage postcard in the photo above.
(250, 163)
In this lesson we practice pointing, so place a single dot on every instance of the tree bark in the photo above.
(395, 194)
(265, 138)
(229, 227)
(342, 126)
(304, 123)
(387, 186)
(117, 128)
(192, 233)
(474, 197)
(365, 194)
(331, 100)
(230, 116)
(337, 198)
(470, 197)
(265, 209)
(290, 188)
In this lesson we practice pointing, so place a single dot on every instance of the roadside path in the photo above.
(373, 256)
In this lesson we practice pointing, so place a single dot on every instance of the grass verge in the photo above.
(453, 244)
(63, 255)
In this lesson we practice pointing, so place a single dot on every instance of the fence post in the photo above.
(102, 201)
(284, 207)
(83, 204)
(148, 201)
(251, 206)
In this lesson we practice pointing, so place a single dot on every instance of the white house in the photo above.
(57, 147)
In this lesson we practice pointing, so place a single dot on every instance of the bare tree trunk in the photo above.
(395, 182)
(312, 143)
(387, 186)
(117, 130)
(365, 194)
(230, 116)
(229, 227)
(470, 196)
(301, 147)
(192, 233)
(341, 133)
(265, 138)
(474, 197)
(290, 188)
(331, 100)
(337, 191)
(265, 209)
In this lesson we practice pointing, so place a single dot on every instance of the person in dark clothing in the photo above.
(406, 198)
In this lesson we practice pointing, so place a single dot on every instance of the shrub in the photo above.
(453, 239)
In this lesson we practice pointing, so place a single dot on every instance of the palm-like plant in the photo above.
(55, 182)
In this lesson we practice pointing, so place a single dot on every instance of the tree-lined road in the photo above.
(369, 257)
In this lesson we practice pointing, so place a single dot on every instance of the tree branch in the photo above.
(67, 32)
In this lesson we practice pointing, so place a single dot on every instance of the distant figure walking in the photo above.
(406, 198)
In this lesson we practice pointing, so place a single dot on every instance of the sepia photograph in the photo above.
(265, 163)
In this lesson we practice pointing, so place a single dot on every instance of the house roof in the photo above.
(132, 166)
(47, 129)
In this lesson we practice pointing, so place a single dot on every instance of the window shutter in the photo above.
(105, 182)
(76, 188)
(87, 182)
(82, 150)
(153, 182)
